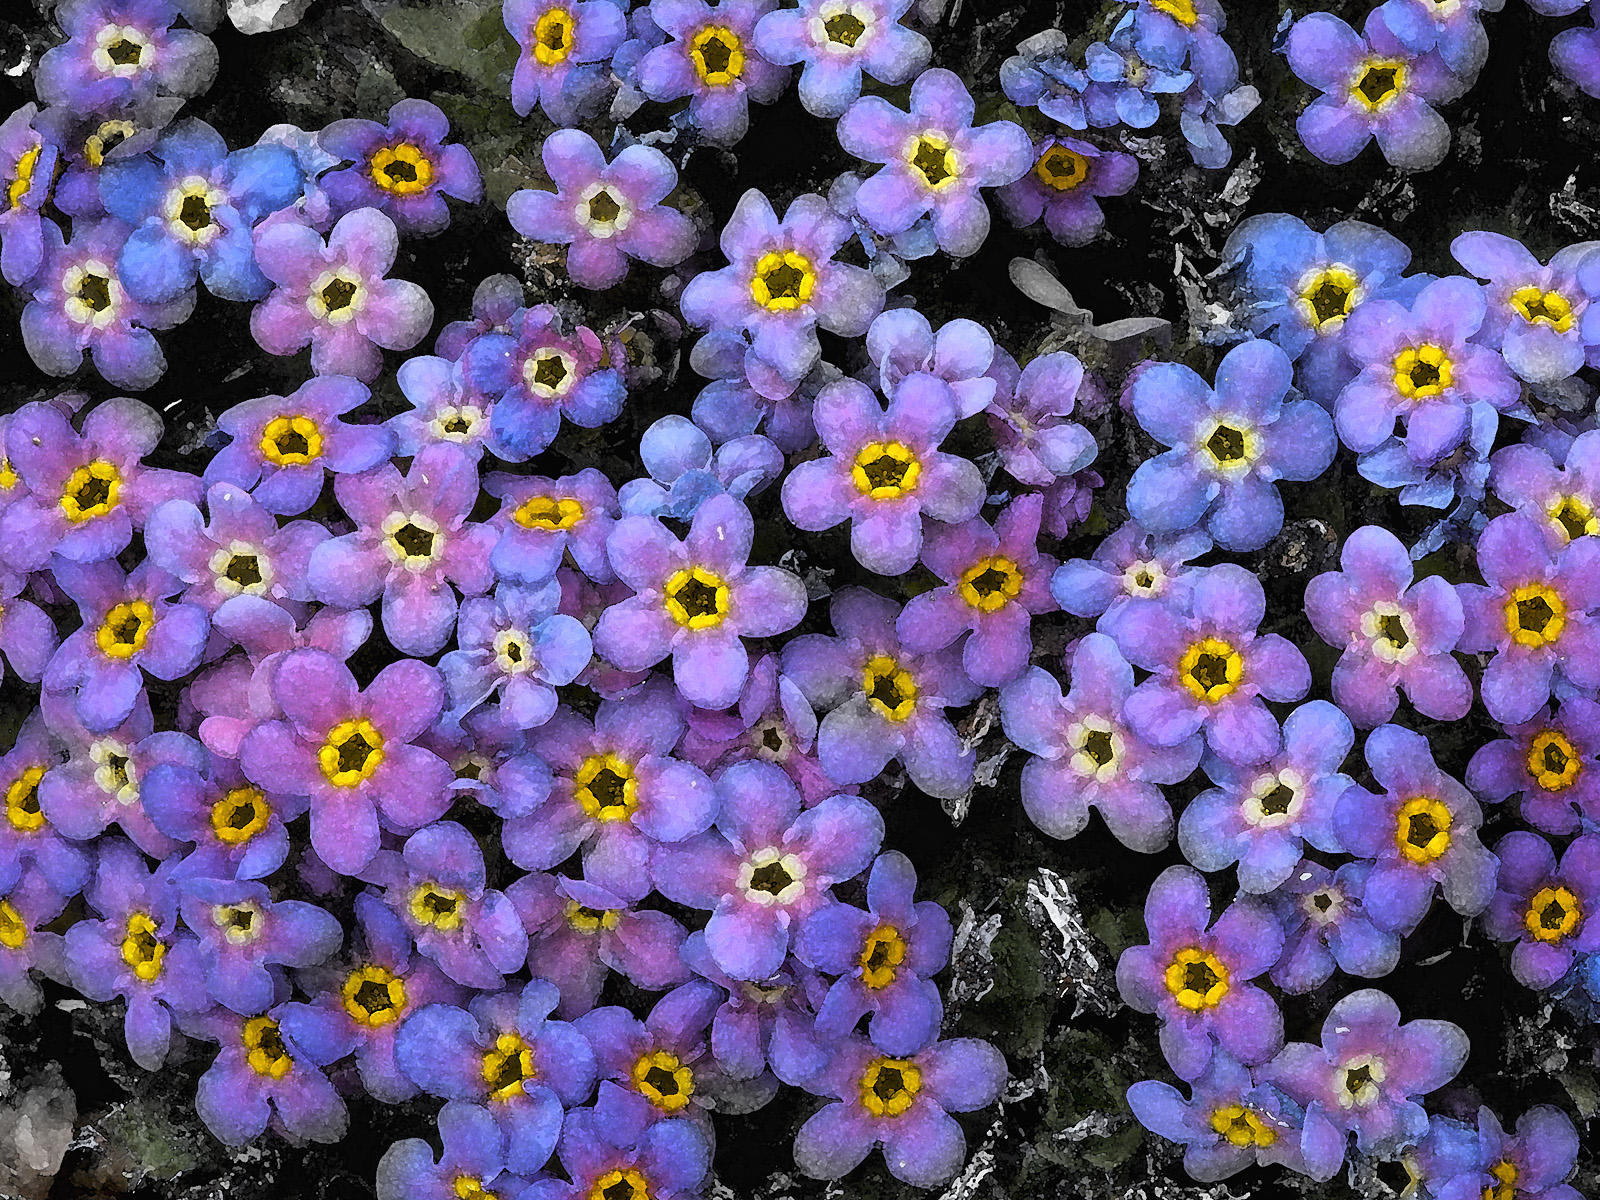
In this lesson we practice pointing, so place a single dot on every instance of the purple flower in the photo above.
(772, 721)
(712, 59)
(129, 629)
(607, 212)
(1548, 760)
(1209, 666)
(616, 793)
(1044, 76)
(412, 542)
(1028, 418)
(579, 933)
(87, 492)
(473, 1158)
(79, 305)
(1535, 314)
(1229, 446)
(664, 1160)
(883, 470)
(1538, 611)
(30, 847)
(1065, 186)
(1258, 816)
(403, 169)
(1325, 923)
(773, 1021)
(28, 167)
(1366, 1075)
(505, 1056)
(1545, 907)
(237, 832)
(653, 1070)
(123, 50)
(1123, 87)
(1566, 497)
(1130, 564)
(839, 41)
(1083, 755)
(1422, 832)
(901, 1104)
(445, 407)
(782, 282)
(494, 302)
(1417, 364)
(1195, 975)
(281, 447)
(881, 959)
(1373, 85)
(1535, 1163)
(516, 644)
(243, 932)
(1392, 633)
(995, 582)
(770, 864)
(695, 599)
(901, 342)
(563, 48)
(1575, 53)
(542, 520)
(884, 702)
(935, 161)
(685, 470)
(350, 751)
(334, 296)
(26, 946)
(261, 1073)
(27, 635)
(1456, 32)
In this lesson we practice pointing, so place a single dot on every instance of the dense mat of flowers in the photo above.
(599, 679)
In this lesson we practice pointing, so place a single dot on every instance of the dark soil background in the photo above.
(1040, 922)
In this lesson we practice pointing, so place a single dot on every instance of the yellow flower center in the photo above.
(548, 512)
(1539, 307)
(662, 1078)
(591, 920)
(552, 36)
(1232, 448)
(188, 210)
(884, 470)
(696, 598)
(436, 905)
(1061, 169)
(1505, 1181)
(1552, 914)
(291, 441)
(468, 1187)
(508, 1067)
(373, 996)
(240, 815)
(783, 280)
(91, 491)
(1181, 11)
(1211, 669)
(8, 474)
(1378, 83)
(991, 584)
(336, 296)
(141, 948)
(1328, 296)
(881, 956)
(1553, 761)
(1197, 979)
(22, 801)
(13, 929)
(933, 157)
(124, 631)
(1573, 516)
(620, 1183)
(27, 162)
(605, 788)
(889, 1086)
(1363, 1080)
(1535, 615)
(717, 55)
(1241, 1127)
(1422, 829)
(889, 688)
(403, 169)
(1423, 371)
(845, 26)
(108, 135)
(352, 752)
(264, 1046)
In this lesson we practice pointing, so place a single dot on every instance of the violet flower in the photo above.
(1130, 563)
(901, 342)
(402, 169)
(27, 635)
(122, 50)
(26, 947)
(1548, 760)
(515, 644)
(839, 41)
(28, 169)
(243, 933)
(685, 471)
(1543, 906)
(1535, 314)
(445, 407)
(563, 53)
(473, 1156)
(655, 1069)
(1068, 179)
(261, 1074)
(712, 59)
(1566, 497)
(237, 832)
(664, 1160)
(1325, 925)
(542, 521)
(30, 847)
(1535, 1162)
(772, 1022)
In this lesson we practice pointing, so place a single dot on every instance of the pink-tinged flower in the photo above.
(712, 59)
(1367, 1076)
(1195, 974)
(494, 302)
(234, 549)
(606, 212)
(122, 50)
(770, 864)
(1536, 313)
(518, 645)
(1209, 666)
(1392, 633)
(995, 582)
(579, 933)
(334, 296)
(768, 1023)
(1325, 924)
(402, 169)
(1068, 179)
(1257, 816)
(281, 448)
(445, 407)
(30, 847)
(1083, 755)
(883, 470)
(1130, 564)
(26, 946)
(237, 832)
(839, 41)
(563, 53)
(935, 161)
(1549, 760)
(1545, 907)
(658, 1069)
(1566, 499)
(473, 1149)
(695, 600)
(27, 635)
(901, 342)
(782, 282)
(437, 885)
(542, 521)
(684, 469)
(667, 1160)
(244, 933)
(350, 752)
(902, 1104)
(1028, 417)
(79, 306)
(1538, 611)
(1422, 832)
(1535, 1163)
(412, 542)
(883, 702)
(261, 1075)
(85, 492)
(129, 629)
(617, 792)
(28, 169)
